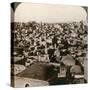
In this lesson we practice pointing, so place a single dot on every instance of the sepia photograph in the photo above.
(49, 44)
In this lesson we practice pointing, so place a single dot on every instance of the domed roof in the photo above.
(68, 60)
(76, 69)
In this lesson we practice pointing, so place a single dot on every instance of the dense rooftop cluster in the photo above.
(52, 40)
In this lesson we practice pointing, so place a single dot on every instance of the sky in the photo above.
(26, 12)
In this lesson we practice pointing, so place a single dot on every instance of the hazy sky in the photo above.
(49, 13)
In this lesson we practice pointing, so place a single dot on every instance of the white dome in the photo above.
(26, 12)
